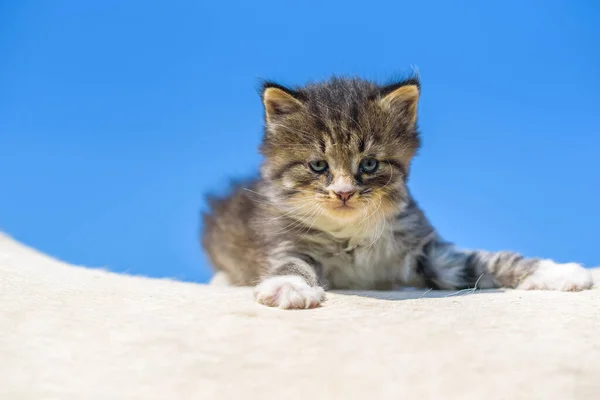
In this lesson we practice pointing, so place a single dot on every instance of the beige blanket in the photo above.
(75, 333)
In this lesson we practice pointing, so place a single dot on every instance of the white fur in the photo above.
(288, 291)
(220, 279)
(553, 276)
(342, 184)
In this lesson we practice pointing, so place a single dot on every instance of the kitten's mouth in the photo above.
(343, 206)
(340, 205)
(343, 209)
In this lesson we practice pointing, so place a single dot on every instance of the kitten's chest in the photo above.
(369, 263)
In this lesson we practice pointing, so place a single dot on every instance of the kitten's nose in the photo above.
(344, 196)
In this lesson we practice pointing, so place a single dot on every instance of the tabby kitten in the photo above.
(332, 209)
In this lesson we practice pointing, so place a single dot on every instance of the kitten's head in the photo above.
(344, 145)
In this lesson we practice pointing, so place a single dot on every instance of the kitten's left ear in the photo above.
(402, 97)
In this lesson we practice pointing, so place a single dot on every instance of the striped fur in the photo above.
(291, 234)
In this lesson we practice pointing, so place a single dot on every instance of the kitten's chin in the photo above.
(344, 212)
(337, 224)
(348, 220)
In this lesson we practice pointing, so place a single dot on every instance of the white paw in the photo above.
(549, 275)
(288, 291)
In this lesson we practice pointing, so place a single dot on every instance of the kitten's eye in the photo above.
(318, 166)
(369, 165)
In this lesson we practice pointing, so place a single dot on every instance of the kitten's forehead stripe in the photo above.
(322, 145)
(361, 144)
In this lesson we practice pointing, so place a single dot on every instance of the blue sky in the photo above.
(116, 117)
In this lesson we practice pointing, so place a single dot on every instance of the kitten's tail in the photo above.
(220, 280)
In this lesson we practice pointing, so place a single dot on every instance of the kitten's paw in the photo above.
(549, 275)
(288, 292)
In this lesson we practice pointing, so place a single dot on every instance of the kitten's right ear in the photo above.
(402, 97)
(279, 101)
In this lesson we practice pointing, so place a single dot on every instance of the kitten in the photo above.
(332, 209)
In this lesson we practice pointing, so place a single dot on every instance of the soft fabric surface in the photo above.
(76, 333)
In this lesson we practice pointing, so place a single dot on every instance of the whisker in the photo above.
(290, 212)
(383, 223)
(298, 222)
(320, 212)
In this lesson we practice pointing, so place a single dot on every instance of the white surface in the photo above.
(74, 333)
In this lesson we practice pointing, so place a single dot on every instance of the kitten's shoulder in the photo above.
(240, 198)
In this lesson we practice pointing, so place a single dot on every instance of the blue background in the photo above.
(116, 117)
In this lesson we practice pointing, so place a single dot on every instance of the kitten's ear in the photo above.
(402, 97)
(279, 100)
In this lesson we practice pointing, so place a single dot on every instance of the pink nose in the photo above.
(344, 196)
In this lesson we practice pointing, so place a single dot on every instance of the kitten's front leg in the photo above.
(445, 267)
(291, 283)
